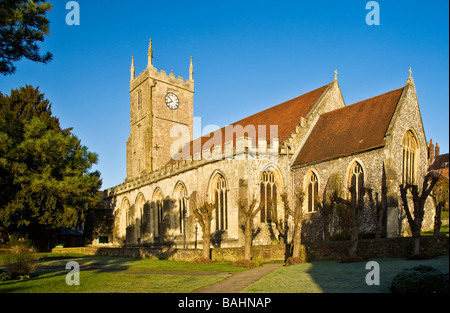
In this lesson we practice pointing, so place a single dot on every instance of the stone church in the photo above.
(307, 145)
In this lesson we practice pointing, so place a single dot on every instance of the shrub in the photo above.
(294, 261)
(4, 276)
(201, 260)
(21, 260)
(245, 263)
(420, 279)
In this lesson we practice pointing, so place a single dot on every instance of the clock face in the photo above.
(172, 101)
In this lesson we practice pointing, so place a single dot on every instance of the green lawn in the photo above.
(336, 277)
(129, 275)
(106, 274)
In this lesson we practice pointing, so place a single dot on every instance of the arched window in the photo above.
(158, 202)
(140, 201)
(180, 193)
(410, 156)
(126, 212)
(140, 219)
(356, 183)
(313, 192)
(219, 186)
(268, 196)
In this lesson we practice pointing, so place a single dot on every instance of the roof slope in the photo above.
(286, 115)
(354, 128)
(440, 164)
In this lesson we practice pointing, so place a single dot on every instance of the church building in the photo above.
(306, 147)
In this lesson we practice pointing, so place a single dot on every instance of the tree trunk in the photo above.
(326, 228)
(353, 243)
(354, 236)
(437, 221)
(248, 239)
(416, 245)
(297, 239)
(206, 241)
(379, 225)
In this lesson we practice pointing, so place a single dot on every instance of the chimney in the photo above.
(430, 152)
(437, 150)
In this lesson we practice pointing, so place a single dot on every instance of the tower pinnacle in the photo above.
(133, 69)
(191, 71)
(150, 54)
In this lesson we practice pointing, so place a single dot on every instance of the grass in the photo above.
(335, 277)
(105, 275)
(128, 275)
(443, 230)
(98, 282)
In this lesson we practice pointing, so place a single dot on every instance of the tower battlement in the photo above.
(162, 76)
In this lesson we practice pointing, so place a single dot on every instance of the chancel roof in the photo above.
(358, 127)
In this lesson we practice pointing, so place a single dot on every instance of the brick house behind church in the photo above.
(298, 145)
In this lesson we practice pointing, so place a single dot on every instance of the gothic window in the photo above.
(268, 196)
(356, 183)
(140, 219)
(220, 200)
(159, 208)
(410, 156)
(127, 213)
(180, 193)
(313, 192)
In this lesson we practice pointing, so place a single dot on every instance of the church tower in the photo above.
(159, 103)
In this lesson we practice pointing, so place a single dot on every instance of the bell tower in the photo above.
(159, 103)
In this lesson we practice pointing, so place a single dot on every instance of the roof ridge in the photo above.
(302, 102)
(365, 101)
(259, 112)
(374, 97)
(341, 123)
(280, 104)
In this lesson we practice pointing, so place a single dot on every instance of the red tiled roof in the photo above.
(354, 128)
(285, 115)
(440, 164)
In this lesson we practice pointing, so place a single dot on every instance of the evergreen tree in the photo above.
(45, 177)
(22, 24)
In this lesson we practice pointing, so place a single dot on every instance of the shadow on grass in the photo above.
(336, 277)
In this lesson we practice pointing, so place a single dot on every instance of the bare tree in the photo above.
(418, 200)
(203, 213)
(378, 206)
(297, 214)
(248, 212)
(440, 198)
(326, 204)
(281, 224)
(355, 206)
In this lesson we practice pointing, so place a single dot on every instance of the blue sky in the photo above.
(248, 56)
